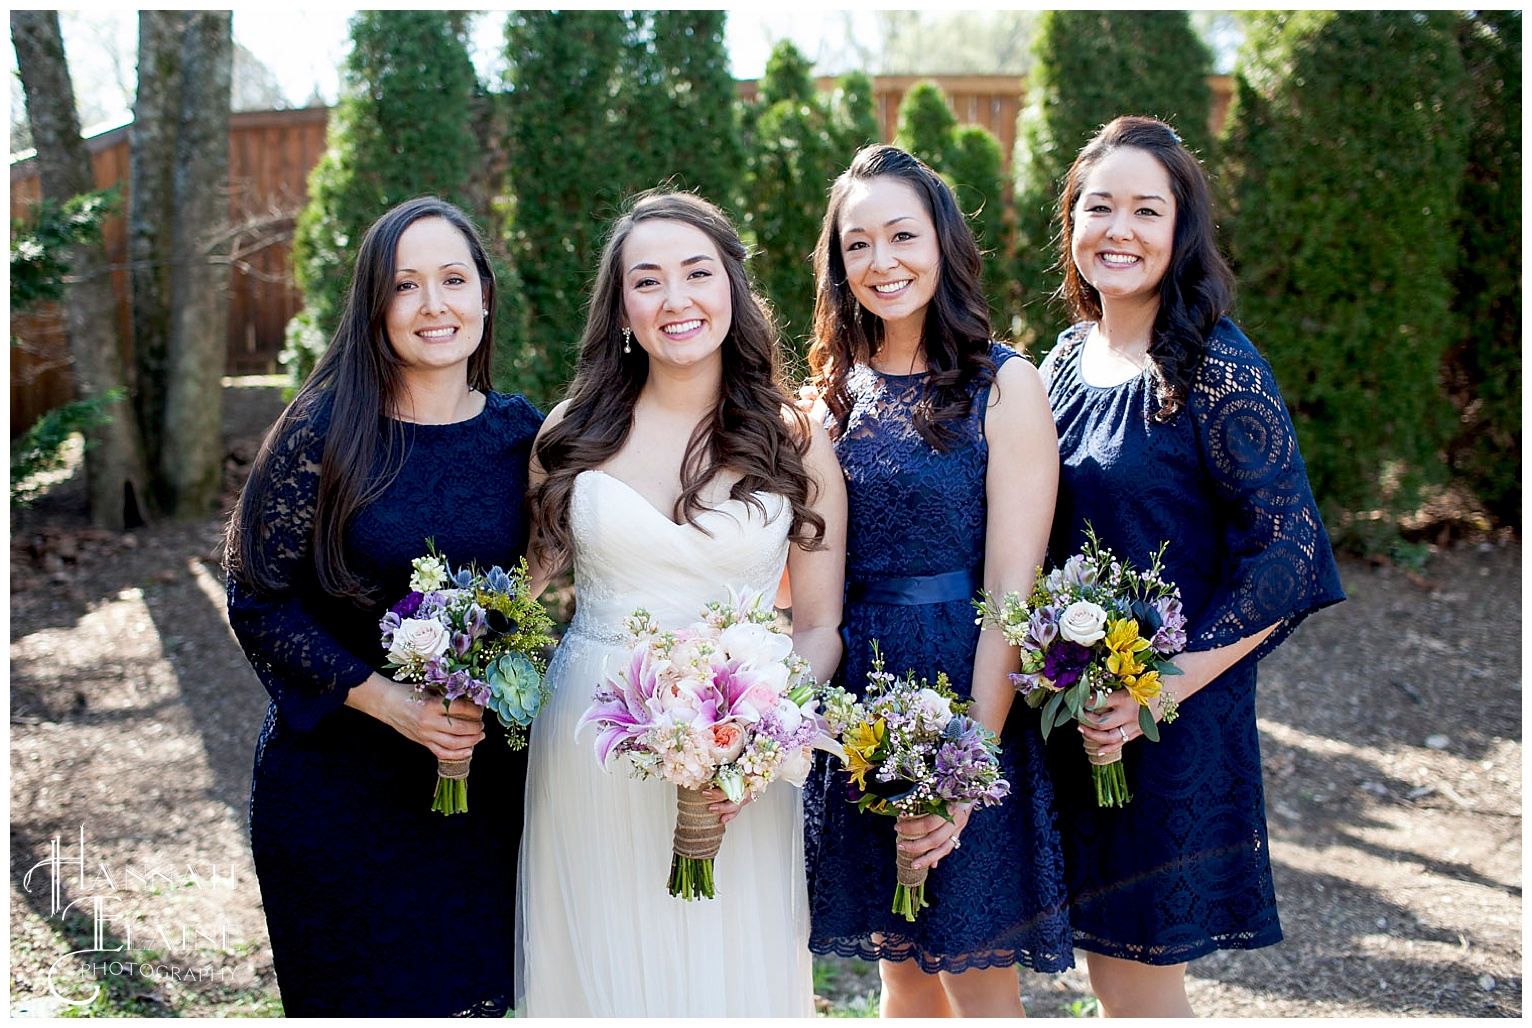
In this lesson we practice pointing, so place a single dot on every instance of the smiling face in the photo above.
(889, 246)
(435, 317)
(675, 292)
(1125, 226)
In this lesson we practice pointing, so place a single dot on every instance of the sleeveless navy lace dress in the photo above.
(915, 550)
(1185, 868)
(376, 905)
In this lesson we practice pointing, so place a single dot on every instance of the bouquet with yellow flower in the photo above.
(1093, 625)
(911, 750)
(470, 633)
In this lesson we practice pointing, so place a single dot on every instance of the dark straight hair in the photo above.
(358, 383)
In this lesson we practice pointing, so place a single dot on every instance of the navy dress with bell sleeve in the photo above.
(1185, 867)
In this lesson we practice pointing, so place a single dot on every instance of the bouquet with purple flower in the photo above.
(1091, 626)
(473, 634)
(721, 703)
(911, 750)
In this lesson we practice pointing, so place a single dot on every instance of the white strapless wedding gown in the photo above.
(597, 932)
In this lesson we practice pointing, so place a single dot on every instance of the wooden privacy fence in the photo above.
(270, 156)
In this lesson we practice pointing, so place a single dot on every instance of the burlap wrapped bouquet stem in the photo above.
(451, 787)
(910, 893)
(698, 835)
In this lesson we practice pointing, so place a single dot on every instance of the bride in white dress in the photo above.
(676, 469)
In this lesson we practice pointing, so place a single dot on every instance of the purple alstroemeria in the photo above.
(389, 625)
(475, 622)
(457, 685)
(1171, 637)
(478, 692)
(1064, 663)
(462, 642)
(1026, 684)
(1043, 627)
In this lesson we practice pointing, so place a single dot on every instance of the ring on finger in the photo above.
(1122, 730)
(956, 842)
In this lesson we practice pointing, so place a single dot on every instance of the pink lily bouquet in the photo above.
(911, 750)
(470, 633)
(1092, 626)
(722, 703)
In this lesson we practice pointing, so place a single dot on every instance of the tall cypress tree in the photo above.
(795, 154)
(1090, 67)
(403, 127)
(1345, 152)
(1484, 369)
(686, 104)
(975, 169)
(855, 113)
(926, 124)
(566, 149)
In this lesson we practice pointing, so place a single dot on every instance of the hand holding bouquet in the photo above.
(911, 750)
(722, 703)
(1092, 626)
(473, 634)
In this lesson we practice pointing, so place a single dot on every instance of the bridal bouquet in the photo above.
(474, 634)
(1094, 625)
(723, 702)
(911, 750)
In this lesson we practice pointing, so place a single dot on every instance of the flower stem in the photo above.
(451, 796)
(908, 900)
(691, 877)
(1111, 784)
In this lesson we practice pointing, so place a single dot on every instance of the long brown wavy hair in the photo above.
(1198, 287)
(352, 390)
(956, 335)
(746, 431)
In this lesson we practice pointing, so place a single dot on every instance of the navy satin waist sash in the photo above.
(911, 592)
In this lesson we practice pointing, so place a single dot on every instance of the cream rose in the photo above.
(1083, 622)
(419, 639)
(936, 707)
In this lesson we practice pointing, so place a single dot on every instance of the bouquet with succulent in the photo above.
(1093, 625)
(911, 750)
(467, 633)
(723, 702)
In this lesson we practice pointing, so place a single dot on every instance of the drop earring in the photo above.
(627, 339)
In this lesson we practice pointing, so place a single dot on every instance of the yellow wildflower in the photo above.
(1123, 643)
(1144, 687)
(862, 742)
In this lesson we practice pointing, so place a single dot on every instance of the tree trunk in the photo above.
(151, 213)
(114, 462)
(190, 464)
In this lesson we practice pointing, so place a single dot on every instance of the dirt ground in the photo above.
(1391, 734)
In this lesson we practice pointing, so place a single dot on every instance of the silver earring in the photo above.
(486, 312)
(627, 339)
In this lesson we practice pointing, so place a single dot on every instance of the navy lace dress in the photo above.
(1185, 868)
(376, 905)
(916, 532)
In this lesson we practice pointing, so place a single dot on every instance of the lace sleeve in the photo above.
(306, 671)
(1279, 567)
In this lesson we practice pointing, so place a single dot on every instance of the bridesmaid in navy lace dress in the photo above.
(374, 904)
(1171, 428)
(950, 462)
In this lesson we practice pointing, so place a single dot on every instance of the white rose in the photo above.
(1083, 622)
(755, 645)
(419, 639)
(937, 707)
